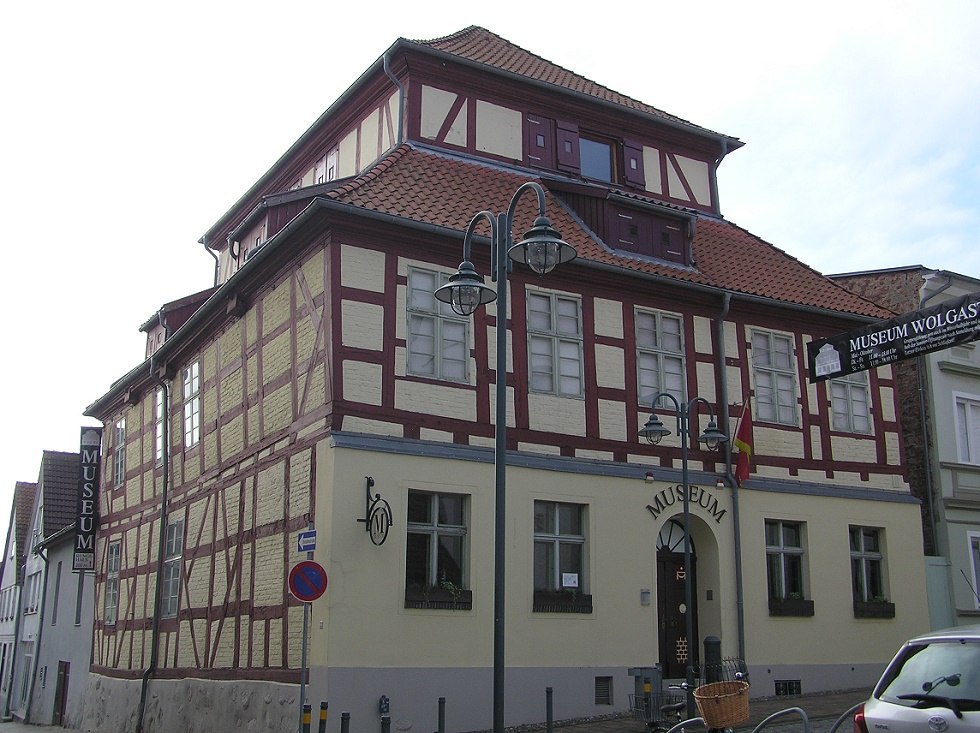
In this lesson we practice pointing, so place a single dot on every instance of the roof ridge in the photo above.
(445, 44)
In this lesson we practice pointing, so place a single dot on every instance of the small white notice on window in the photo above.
(569, 580)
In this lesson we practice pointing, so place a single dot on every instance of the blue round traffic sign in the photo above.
(307, 580)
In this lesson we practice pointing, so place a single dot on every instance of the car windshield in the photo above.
(925, 673)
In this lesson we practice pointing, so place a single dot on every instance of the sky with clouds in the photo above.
(129, 128)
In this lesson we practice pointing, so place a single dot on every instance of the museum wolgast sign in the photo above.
(903, 337)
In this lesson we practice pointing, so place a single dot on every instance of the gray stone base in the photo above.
(190, 706)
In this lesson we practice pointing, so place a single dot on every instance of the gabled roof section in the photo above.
(434, 187)
(59, 483)
(184, 307)
(24, 494)
(481, 46)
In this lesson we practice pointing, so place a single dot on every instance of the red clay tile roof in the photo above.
(24, 494)
(426, 186)
(481, 46)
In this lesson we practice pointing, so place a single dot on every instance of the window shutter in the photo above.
(540, 142)
(567, 143)
(633, 163)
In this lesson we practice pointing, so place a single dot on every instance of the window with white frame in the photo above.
(559, 546)
(867, 564)
(554, 325)
(119, 453)
(849, 403)
(967, 428)
(784, 559)
(192, 404)
(111, 605)
(974, 540)
(775, 377)
(33, 592)
(437, 337)
(435, 552)
(172, 561)
(659, 356)
(159, 414)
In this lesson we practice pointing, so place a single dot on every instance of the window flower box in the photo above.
(561, 602)
(874, 609)
(440, 598)
(802, 607)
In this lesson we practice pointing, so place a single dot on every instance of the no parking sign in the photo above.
(307, 580)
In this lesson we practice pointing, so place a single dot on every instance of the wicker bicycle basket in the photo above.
(723, 704)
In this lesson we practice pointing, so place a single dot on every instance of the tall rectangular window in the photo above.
(784, 559)
(974, 540)
(192, 404)
(849, 402)
(867, 572)
(559, 546)
(968, 428)
(57, 595)
(172, 561)
(659, 356)
(775, 377)
(554, 325)
(437, 337)
(159, 414)
(111, 606)
(119, 453)
(435, 549)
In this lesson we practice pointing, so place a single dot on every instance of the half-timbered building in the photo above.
(322, 381)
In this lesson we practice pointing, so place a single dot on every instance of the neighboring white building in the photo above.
(940, 397)
(55, 630)
(11, 582)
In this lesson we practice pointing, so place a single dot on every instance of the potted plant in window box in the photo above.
(877, 607)
(794, 604)
(447, 595)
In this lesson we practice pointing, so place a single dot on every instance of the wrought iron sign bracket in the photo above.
(377, 514)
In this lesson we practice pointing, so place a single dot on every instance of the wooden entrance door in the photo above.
(675, 647)
(61, 694)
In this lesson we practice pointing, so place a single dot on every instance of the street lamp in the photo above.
(654, 431)
(541, 249)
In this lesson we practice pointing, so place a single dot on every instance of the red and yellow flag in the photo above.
(743, 441)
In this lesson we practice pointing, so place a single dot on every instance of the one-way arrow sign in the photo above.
(306, 541)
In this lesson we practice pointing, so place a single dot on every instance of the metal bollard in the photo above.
(307, 712)
(442, 715)
(712, 659)
(345, 722)
(549, 697)
(385, 724)
(322, 728)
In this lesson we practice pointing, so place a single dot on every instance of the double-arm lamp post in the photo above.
(541, 249)
(654, 431)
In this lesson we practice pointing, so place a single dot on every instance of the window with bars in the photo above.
(437, 337)
(119, 453)
(773, 367)
(111, 605)
(435, 553)
(559, 546)
(867, 564)
(192, 404)
(659, 356)
(159, 414)
(967, 428)
(849, 403)
(173, 559)
(554, 325)
(784, 560)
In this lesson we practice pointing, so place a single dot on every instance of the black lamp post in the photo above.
(541, 249)
(654, 431)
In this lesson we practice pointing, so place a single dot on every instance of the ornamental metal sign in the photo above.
(87, 504)
(906, 336)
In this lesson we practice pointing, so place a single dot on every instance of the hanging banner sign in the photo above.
(931, 329)
(87, 502)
